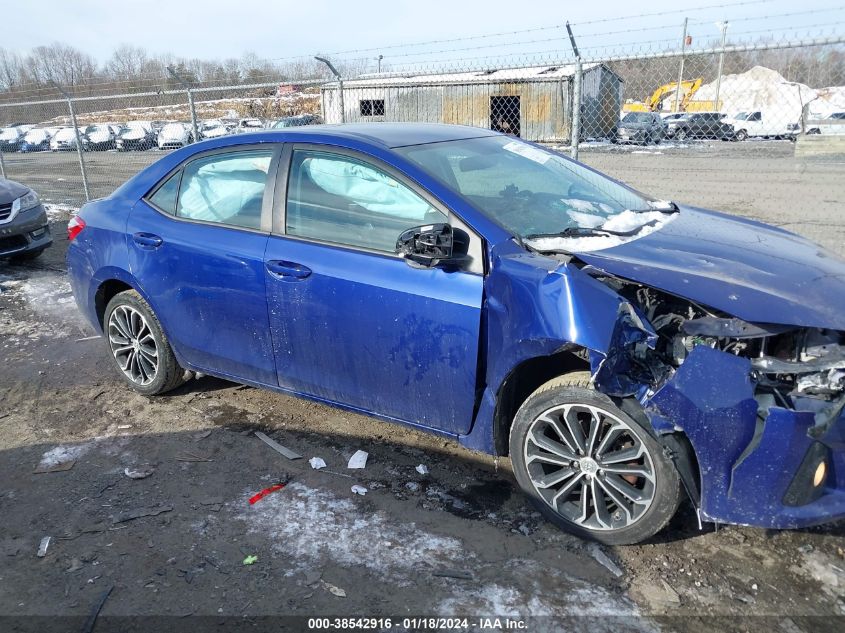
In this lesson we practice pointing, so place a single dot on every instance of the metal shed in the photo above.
(533, 103)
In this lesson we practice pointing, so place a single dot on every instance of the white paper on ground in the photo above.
(358, 460)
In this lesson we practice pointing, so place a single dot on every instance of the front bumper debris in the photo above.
(753, 459)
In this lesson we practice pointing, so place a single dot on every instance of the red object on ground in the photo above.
(265, 492)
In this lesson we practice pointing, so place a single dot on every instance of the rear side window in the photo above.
(165, 196)
(225, 188)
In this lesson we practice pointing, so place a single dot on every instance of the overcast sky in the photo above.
(282, 29)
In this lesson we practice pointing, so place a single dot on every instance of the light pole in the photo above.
(722, 26)
(681, 68)
(340, 85)
(380, 57)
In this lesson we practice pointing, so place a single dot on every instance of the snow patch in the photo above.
(309, 525)
(548, 593)
(60, 212)
(67, 452)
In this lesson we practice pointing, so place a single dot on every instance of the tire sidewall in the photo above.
(667, 482)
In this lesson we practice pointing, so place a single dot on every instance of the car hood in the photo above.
(633, 126)
(10, 190)
(750, 270)
(133, 135)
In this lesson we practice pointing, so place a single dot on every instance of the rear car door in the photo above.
(352, 322)
(196, 247)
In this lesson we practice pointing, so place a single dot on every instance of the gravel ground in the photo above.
(322, 550)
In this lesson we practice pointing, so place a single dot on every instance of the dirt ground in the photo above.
(457, 541)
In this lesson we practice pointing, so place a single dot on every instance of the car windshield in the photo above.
(173, 128)
(65, 134)
(528, 190)
(637, 117)
(741, 116)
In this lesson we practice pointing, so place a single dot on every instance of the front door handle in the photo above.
(289, 271)
(147, 240)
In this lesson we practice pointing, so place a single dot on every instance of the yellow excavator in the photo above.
(689, 88)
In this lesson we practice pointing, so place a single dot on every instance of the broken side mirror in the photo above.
(433, 245)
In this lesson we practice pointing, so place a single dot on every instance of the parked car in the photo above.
(296, 121)
(833, 123)
(640, 127)
(36, 140)
(673, 116)
(101, 136)
(761, 124)
(24, 228)
(489, 290)
(214, 128)
(11, 139)
(65, 140)
(707, 125)
(249, 125)
(137, 135)
(173, 135)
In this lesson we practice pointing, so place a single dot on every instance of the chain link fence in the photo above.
(696, 114)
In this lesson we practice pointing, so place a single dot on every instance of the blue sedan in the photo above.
(625, 352)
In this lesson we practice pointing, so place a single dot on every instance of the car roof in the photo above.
(389, 135)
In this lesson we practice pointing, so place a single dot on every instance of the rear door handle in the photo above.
(290, 271)
(147, 240)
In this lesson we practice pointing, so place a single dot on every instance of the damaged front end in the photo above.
(761, 404)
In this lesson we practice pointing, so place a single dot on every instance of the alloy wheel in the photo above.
(589, 466)
(133, 345)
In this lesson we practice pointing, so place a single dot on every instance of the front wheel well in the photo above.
(523, 380)
(105, 292)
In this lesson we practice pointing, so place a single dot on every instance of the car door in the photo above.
(352, 322)
(196, 247)
(754, 124)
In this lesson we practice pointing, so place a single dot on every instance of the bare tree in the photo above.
(126, 62)
(11, 69)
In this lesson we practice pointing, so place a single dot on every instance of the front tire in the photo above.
(741, 135)
(681, 135)
(590, 468)
(138, 347)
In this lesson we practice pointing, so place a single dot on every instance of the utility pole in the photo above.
(78, 140)
(187, 88)
(723, 26)
(575, 133)
(681, 69)
(380, 57)
(340, 85)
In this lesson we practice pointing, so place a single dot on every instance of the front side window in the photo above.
(338, 199)
(225, 188)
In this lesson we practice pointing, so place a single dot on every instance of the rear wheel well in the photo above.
(105, 292)
(522, 381)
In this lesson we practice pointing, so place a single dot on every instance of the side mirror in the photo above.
(432, 245)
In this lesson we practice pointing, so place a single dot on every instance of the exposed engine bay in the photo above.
(657, 336)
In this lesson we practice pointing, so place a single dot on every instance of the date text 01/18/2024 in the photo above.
(417, 624)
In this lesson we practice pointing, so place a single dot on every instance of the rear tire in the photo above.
(741, 135)
(681, 135)
(138, 347)
(617, 488)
